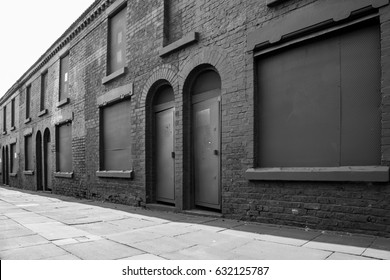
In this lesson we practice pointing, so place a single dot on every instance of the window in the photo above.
(64, 147)
(28, 99)
(28, 153)
(116, 42)
(115, 139)
(64, 78)
(13, 157)
(13, 112)
(5, 118)
(319, 102)
(43, 90)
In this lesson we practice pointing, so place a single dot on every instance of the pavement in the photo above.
(44, 226)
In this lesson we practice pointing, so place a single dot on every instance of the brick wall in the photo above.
(223, 27)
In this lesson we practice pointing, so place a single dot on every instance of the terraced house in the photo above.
(274, 111)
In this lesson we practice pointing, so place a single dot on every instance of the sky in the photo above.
(27, 29)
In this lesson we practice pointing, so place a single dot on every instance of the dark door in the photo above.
(165, 191)
(38, 150)
(3, 165)
(206, 150)
(46, 161)
(6, 162)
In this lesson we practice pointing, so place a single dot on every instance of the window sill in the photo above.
(337, 174)
(68, 175)
(42, 113)
(12, 128)
(4, 132)
(115, 174)
(190, 38)
(62, 102)
(271, 3)
(26, 121)
(114, 75)
(28, 172)
(13, 174)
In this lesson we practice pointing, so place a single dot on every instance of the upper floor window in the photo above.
(5, 118)
(64, 78)
(28, 101)
(13, 112)
(116, 41)
(44, 77)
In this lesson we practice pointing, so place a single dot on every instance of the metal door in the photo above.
(165, 179)
(46, 161)
(38, 150)
(6, 162)
(206, 130)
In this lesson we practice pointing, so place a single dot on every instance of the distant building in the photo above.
(270, 111)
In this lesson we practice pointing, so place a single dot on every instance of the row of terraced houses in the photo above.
(275, 111)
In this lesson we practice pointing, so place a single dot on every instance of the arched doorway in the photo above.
(163, 144)
(46, 161)
(38, 151)
(205, 139)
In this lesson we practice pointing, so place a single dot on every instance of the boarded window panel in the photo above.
(5, 118)
(64, 78)
(206, 81)
(116, 136)
(13, 112)
(299, 119)
(28, 101)
(117, 41)
(165, 94)
(13, 158)
(361, 98)
(43, 90)
(29, 161)
(64, 148)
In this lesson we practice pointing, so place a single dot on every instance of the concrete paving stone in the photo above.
(261, 250)
(19, 232)
(65, 241)
(101, 250)
(144, 257)
(132, 237)
(67, 257)
(11, 210)
(38, 252)
(224, 224)
(242, 234)
(9, 224)
(163, 245)
(199, 252)
(2, 217)
(289, 236)
(56, 230)
(213, 239)
(171, 229)
(102, 228)
(21, 241)
(379, 249)
(341, 243)
(132, 223)
(342, 256)
(29, 218)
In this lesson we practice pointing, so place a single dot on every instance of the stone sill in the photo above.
(68, 175)
(28, 172)
(114, 75)
(12, 128)
(42, 113)
(4, 132)
(13, 174)
(271, 3)
(26, 121)
(335, 174)
(62, 102)
(128, 174)
(190, 38)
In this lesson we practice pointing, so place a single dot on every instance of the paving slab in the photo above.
(133, 223)
(297, 237)
(9, 224)
(38, 252)
(171, 229)
(163, 245)
(103, 228)
(19, 232)
(379, 249)
(262, 250)
(22, 241)
(342, 256)
(56, 230)
(101, 250)
(132, 237)
(144, 257)
(341, 243)
(67, 257)
(200, 252)
(29, 218)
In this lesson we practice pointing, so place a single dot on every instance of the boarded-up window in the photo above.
(5, 118)
(117, 41)
(116, 138)
(28, 101)
(43, 90)
(13, 112)
(319, 102)
(28, 153)
(13, 157)
(64, 78)
(64, 148)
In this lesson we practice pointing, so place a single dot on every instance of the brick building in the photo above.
(274, 111)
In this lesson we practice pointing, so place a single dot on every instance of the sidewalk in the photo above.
(46, 226)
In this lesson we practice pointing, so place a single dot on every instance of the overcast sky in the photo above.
(28, 28)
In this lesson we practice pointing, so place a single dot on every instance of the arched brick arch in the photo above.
(165, 72)
(213, 56)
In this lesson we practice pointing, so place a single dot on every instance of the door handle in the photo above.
(216, 152)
